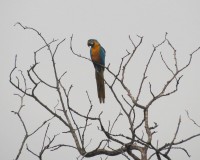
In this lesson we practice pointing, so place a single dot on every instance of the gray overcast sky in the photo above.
(111, 22)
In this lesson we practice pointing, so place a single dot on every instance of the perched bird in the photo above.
(97, 53)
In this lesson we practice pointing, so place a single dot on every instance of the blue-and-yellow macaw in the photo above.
(97, 53)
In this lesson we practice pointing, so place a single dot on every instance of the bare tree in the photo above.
(133, 144)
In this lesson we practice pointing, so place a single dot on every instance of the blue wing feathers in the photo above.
(102, 55)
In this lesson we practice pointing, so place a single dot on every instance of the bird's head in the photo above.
(92, 42)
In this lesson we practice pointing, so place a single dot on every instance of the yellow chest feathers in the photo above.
(95, 53)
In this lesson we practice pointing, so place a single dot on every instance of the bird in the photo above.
(97, 54)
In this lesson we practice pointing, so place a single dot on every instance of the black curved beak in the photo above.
(90, 43)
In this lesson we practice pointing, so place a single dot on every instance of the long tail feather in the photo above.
(100, 85)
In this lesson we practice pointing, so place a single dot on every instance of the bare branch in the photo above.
(130, 57)
(45, 46)
(57, 47)
(166, 64)
(188, 115)
(132, 41)
(53, 148)
(175, 135)
(27, 135)
(45, 136)
(175, 59)
(79, 55)
(32, 151)
(120, 114)
(86, 121)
